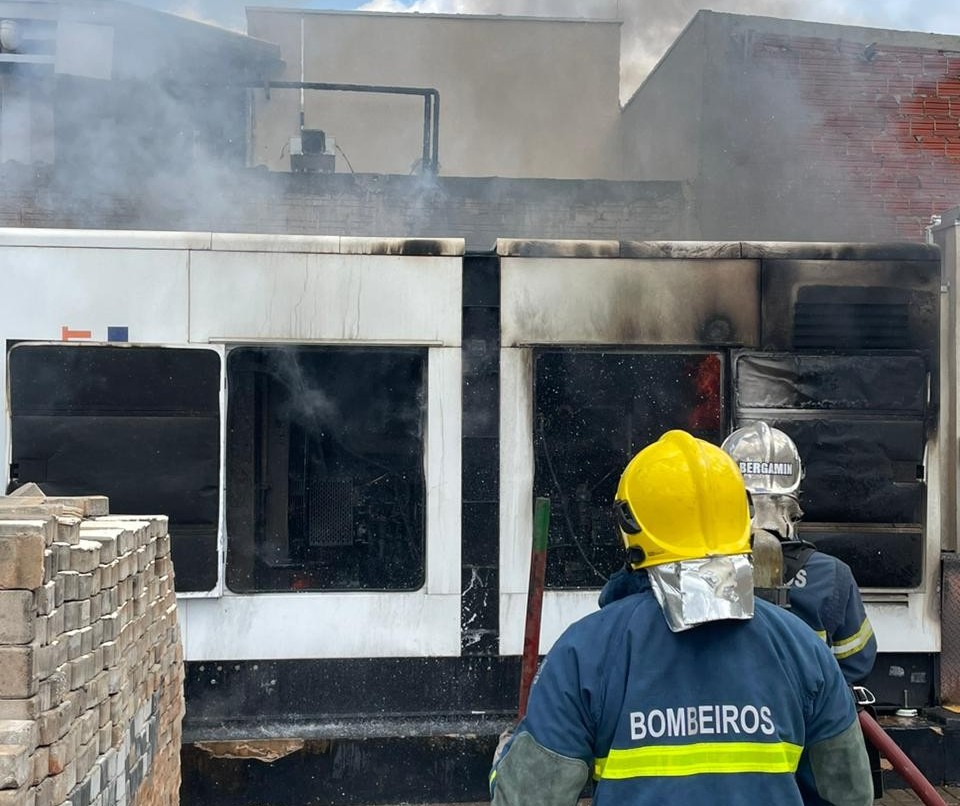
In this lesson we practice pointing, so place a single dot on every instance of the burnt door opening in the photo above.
(140, 425)
(593, 411)
(325, 468)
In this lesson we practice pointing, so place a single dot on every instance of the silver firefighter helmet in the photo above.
(768, 459)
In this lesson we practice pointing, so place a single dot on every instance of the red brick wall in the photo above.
(883, 120)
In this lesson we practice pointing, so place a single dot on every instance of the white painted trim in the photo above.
(560, 609)
(102, 239)
(910, 627)
(443, 473)
(357, 624)
(268, 626)
(516, 471)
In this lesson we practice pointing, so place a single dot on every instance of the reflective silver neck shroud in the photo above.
(693, 592)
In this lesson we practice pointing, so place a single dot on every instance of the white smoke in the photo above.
(651, 26)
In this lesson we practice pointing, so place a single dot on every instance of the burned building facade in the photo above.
(366, 419)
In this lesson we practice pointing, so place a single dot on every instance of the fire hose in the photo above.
(538, 570)
(907, 770)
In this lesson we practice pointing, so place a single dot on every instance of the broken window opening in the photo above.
(593, 411)
(325, 468)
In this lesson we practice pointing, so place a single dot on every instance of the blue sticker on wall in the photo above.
(118, 334)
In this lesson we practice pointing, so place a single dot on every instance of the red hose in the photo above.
(531, 632)
(907, 770)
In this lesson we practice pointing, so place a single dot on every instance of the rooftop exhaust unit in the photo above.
(312, 152)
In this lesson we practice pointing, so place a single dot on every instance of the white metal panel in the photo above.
(909, 627)
(443, 473)
(516, 471)
(250, 242)
(560, 609)
(325, 298)
(103, 239)
(359, 624)
(49, 290)
(626, 301)
(46, 290)
(321, 625)
(914, 625)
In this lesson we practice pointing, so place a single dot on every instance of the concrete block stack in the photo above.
(91, 663)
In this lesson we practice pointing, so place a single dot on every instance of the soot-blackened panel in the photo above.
(138, 424)
(851, 318)
(325, 468)
(879, 557)
(850, 382)
(857, 471)
(593, 410)
(859, 424)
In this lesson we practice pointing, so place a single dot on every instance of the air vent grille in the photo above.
(851, 318)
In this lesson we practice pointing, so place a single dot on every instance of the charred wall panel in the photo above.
(859, 421)
(638, 301)
(138, 424)
(852, 378)
(480, 505)
(852, 304)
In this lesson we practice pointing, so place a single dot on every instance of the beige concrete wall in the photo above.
(26, 121)
(662, 123)
(91, 662)
(519, 97)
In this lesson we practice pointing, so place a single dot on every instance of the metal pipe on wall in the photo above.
(431, 108)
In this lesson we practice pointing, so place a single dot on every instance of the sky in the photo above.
(650, 26)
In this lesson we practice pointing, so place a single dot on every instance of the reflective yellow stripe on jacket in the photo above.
(695, 759)
(852, 645)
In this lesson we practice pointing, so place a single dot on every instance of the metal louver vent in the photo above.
(851, 319)
(330, 513)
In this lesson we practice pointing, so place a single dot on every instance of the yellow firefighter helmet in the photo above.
(681, 499)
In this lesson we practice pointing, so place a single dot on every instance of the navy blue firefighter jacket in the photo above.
(735, 712)
(825, 595)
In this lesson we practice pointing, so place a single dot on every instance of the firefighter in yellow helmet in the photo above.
(682, 688)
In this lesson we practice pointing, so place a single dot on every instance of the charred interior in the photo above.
(593, 410)
(325, 468)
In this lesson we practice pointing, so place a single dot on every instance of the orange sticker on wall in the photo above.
(66, 334)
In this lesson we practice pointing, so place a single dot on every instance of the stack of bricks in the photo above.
(91, 663)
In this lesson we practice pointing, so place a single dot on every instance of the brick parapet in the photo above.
(881, 122)
(478, 209)
(91, 662)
